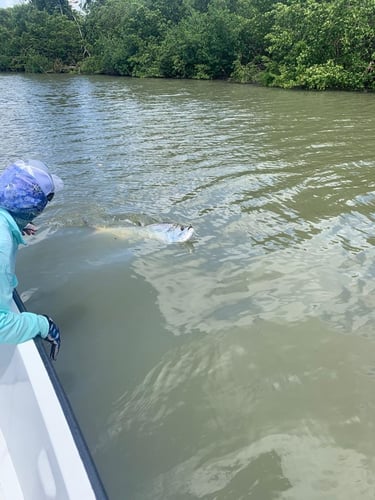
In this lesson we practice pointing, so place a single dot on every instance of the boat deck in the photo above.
(38, 455)
(43, 453)
(9, 485)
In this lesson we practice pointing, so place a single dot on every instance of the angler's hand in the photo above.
(29, 229)
(53, 338)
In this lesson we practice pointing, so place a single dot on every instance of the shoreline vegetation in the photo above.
(303, 44)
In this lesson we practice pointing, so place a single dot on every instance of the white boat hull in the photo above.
(39, 456)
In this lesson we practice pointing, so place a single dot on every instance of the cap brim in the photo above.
(57, 182)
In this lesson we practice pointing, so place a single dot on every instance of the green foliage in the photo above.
(252, 72)
(36, 63)
(327, 76)
(89, 65)
(312, 44)
(321, 45)
(182, 48)
(35, 41)
(129, 47)
(53, 6)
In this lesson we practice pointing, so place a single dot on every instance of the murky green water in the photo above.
(241, 366)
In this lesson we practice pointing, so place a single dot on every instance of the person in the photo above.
(26, 187)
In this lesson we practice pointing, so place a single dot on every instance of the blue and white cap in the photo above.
(25, 189)
(48, 182)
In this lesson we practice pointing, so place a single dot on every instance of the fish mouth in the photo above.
(188, 233)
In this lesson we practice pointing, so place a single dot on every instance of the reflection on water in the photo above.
(261, 417)
(285, 466)
(237, 366)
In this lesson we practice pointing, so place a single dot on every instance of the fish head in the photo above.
(179, 234)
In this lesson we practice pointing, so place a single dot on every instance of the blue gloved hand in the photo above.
(53, 338)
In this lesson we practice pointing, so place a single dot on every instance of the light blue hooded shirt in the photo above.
(14, 327)
(25, 189)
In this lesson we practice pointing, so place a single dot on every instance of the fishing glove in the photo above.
(53, 338)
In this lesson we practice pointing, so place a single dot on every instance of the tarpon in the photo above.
(164, 231)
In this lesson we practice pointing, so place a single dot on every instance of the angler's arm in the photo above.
(17, 328)
(14, 327)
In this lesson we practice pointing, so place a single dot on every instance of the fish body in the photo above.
(165, 232)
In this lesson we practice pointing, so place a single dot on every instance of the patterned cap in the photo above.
(24, 187)
(49, 183)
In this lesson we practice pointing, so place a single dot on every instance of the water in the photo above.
(242, 365)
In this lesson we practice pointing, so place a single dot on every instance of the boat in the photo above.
(43, 453)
